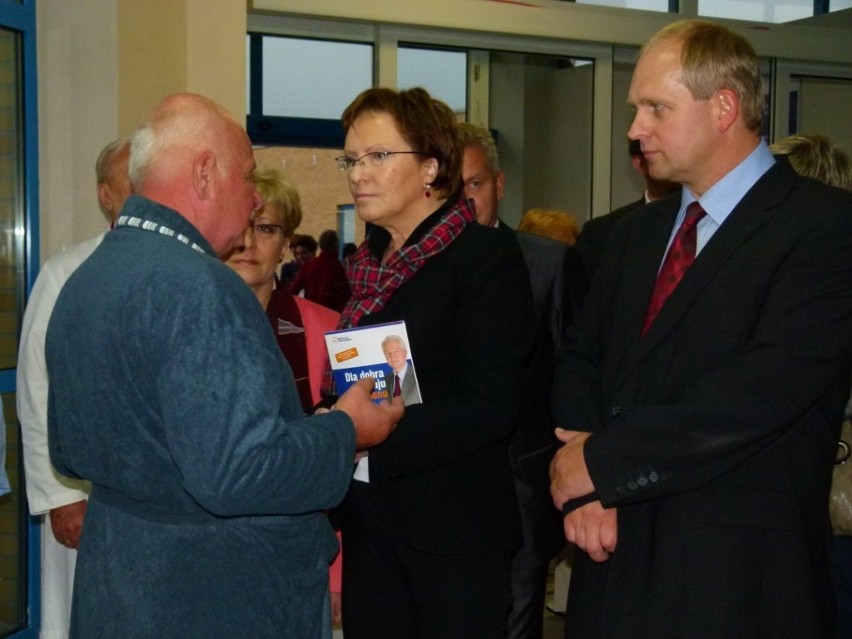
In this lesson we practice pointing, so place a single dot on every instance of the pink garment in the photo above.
(317, 320)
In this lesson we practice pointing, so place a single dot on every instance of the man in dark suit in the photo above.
(592, 241)
(696, 470)
(533, 444)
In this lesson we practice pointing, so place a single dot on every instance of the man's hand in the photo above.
(373, 422)
(569, 477)
(67, 523)
(594, 529)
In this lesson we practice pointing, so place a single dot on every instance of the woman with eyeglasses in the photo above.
(298, 324)
(431, 518)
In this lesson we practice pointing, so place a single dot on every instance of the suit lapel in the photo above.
(750, 214)
(645, 254)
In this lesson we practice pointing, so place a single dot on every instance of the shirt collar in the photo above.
(722, 197)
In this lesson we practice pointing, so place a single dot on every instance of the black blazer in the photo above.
(443, 480)
(545, 264)
(591, 243)
(714, 435)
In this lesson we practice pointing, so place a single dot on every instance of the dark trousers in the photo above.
(841, 558)
(392, 591)
(543, 539)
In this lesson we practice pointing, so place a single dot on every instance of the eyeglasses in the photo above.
(263, 231)
(375, 158)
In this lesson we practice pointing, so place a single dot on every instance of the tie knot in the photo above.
(694, 213)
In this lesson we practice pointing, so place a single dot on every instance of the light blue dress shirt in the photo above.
(723, 196)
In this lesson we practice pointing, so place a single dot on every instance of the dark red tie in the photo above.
(397, 386)
(680, 257)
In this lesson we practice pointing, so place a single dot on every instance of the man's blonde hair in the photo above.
(714, 58)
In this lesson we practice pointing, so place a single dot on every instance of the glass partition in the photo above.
(443, 73)
(313, 78)
(11, 196)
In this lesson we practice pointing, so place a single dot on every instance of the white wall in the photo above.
(825, 104)
(78, 115)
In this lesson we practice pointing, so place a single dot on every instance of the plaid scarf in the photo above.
(373, 283)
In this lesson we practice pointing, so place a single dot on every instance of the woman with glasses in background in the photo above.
(431, 519)
(298, 323)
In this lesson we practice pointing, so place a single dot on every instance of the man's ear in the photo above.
(727, 105)
(500, 183)
(202, 173)
(104, 196)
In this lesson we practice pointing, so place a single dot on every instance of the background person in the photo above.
(431, 521)
(349, 250)
(299, 324)
(551, 267)
(323, 279)
(59, 499)
(559, 226)
(553, 223)
(208, 483)
(813, 155)
(304, 249)
(591, 242)
(704, 413)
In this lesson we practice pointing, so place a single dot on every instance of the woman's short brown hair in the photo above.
(427, 124)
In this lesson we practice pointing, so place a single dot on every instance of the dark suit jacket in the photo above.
(715, 434)
(591, 244)
(410, 391)
(442, 480)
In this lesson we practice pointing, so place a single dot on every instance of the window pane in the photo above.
(442, 73)
(541, 112)
(313, 78)
(774, 11)
(13, 527)
(648, 5)
(11, 197)
(839, 5)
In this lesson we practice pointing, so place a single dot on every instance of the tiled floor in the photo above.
(554, 628)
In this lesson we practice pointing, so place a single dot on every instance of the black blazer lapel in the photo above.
(643, 253)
